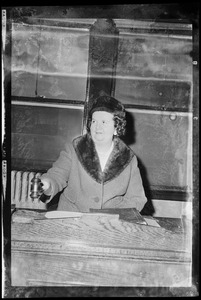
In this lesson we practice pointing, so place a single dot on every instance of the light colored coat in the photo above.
(78, 173)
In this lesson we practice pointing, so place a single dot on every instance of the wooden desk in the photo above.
(98, 252)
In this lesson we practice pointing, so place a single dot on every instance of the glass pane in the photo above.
(154, 70)
(49, 61)
(162, 142)
(24, 60)
(155, 56)
(38, 135)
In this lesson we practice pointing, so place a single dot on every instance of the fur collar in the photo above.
(88, 157)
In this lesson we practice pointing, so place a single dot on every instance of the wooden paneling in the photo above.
(64, 270)
(173, 209)
(40, 133)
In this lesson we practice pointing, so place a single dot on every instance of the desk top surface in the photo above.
(102, 235)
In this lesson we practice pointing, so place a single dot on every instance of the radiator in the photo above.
(21, 190)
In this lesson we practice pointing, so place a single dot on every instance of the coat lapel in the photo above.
(88, 157)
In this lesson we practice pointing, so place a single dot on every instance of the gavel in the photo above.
(36, 189)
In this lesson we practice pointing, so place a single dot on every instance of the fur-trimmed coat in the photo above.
(78, 173)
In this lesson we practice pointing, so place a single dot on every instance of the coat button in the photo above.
(96, 199)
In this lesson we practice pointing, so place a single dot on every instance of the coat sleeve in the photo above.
(135, 195)
(58, 174)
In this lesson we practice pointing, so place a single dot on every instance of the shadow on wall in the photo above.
(130, 139)
(130, 136)
(148, 209)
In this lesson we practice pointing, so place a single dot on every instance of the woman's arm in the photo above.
(56, 178)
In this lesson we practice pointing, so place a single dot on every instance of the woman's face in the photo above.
(102, 127)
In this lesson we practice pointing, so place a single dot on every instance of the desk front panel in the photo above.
(53, 269)
(98, 252)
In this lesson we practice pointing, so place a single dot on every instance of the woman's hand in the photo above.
(46, 184)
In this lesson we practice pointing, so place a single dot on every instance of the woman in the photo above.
(98, 170)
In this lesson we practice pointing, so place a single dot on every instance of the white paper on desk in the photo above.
(63, 214)
(72, 214)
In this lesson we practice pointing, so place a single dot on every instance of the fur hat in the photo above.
(113, 106)
(108, 104)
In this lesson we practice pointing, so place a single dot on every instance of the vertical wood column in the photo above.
(103, 48)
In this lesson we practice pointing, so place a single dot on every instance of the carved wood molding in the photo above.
(100, 252)
(183, 30)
